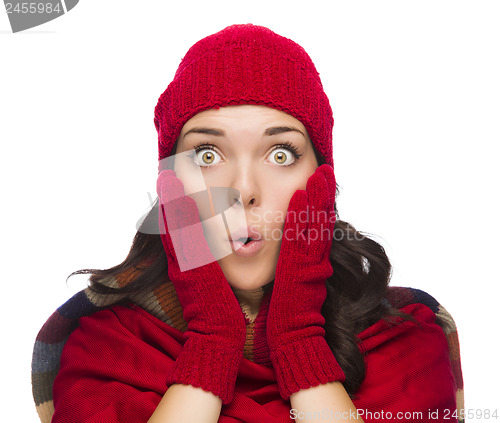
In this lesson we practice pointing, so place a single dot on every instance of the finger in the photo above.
(169, 186)
(177, 213)
(318, 196)
(187, 235)
(162, 180)
(165, 236)
(196, 250)
(181, 212)
(329, 175)
(296, 217)
(297, 203)
(320, 226)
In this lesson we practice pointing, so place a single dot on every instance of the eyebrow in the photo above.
(220, 133)
(281, 129)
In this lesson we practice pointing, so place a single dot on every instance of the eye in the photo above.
(285, 154)
(282, 157)
(205, 156)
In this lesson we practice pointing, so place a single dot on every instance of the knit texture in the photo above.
(163, 304)
(245, 64)
(113, 367)
(300, 354)
(216, 335)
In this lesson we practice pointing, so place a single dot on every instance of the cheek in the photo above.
(281, 193)
(191, 176)
(280, 189)
(275, 214)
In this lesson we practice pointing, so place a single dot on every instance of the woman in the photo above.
(254, 303)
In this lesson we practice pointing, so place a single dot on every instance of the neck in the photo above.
(250, 300)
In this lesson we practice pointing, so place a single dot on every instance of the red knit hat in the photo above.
(245, 64)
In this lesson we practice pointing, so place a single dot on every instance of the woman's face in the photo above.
(264, 154)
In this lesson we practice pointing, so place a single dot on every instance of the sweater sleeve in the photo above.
(408, 371)
(112, 366)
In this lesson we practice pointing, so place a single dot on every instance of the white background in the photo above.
(415, 91)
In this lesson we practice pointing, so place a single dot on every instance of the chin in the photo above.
(248, 276)
(248, 285)
(247, 273)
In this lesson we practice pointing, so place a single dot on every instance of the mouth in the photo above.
(241, 242)
(247, 245)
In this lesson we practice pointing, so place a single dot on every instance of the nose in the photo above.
(246, 181)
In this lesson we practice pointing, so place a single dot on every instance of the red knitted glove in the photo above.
(216, 330)
(299, 352)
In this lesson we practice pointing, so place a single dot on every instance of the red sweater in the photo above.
(114, 364)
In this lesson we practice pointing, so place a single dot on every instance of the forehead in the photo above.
(242, 116)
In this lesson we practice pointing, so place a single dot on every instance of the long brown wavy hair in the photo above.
(355, 291)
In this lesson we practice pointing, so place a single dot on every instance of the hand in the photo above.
(216, 325)
(300, 355)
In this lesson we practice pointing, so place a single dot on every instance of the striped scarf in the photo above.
(162, 303)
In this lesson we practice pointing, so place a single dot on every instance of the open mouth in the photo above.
(246, 242)
(246, 246)
(243, 241)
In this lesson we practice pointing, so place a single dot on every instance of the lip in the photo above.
(246, 232)
(250, 249)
